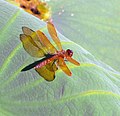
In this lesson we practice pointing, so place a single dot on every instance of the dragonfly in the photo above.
(38, 45)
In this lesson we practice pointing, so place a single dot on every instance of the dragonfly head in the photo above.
(69, 52)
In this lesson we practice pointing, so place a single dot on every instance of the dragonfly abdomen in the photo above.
(45, 62)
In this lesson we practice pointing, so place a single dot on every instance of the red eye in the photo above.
(69, 52)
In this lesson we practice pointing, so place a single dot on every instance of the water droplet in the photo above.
(59, 13)
(63, 10)
(72, 14)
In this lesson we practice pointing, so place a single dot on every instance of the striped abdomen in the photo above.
(47, 61)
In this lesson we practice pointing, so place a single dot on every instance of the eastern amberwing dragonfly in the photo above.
(38, 45)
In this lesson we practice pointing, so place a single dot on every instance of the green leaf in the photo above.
(92, 24)
(92, 90)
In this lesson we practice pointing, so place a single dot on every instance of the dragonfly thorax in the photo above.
(63, 53)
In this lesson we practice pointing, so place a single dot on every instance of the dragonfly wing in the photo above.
(34, 36)
(32, 43)
(44, 40)
(27, 31)
(31, 47)
(53, 34)
(61, 63)
(73, 61)
(47, 71)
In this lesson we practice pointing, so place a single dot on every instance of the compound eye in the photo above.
(69, 52)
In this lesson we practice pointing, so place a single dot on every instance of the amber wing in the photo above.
(61, 63)
(53, 34)
(32, 44)
(48, 71)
